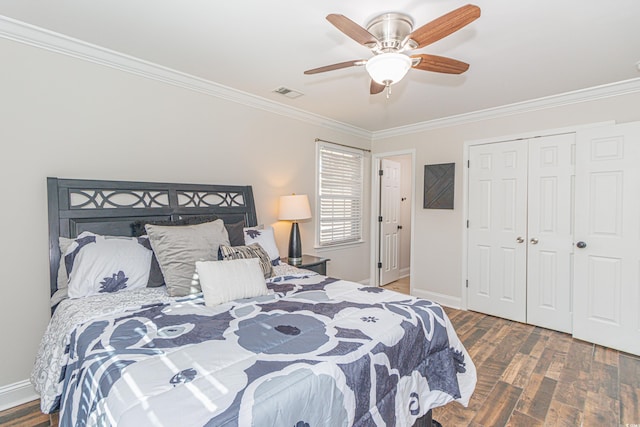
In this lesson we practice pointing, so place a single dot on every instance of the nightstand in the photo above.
(313, 263)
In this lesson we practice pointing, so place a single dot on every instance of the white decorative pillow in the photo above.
(97, 264)
(224, 281)
(265, 237)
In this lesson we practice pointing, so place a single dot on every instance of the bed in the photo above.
(256, 343)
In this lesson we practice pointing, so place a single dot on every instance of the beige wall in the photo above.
(75, 119)
(438, 234)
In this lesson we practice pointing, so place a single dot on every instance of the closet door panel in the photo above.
(550, 231)
(497, 229)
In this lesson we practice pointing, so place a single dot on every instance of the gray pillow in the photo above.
(178, 247)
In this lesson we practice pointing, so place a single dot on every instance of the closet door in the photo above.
(497, 229)
(607, 255)
(550, 231)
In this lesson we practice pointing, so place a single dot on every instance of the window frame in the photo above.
(358, 236)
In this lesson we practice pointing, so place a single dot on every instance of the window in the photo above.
(340, 189)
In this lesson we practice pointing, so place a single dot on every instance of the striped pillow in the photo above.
(253, 250)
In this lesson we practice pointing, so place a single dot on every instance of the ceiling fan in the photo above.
(390, 35)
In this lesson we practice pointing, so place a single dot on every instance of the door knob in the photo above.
(534, 241)
(519, 239)
(399, 227)
(581, 245)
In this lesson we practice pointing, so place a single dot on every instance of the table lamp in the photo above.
(294, 208)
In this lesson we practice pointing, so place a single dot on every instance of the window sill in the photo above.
(338, 246)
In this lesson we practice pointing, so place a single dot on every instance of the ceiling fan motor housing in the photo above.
(391, 29)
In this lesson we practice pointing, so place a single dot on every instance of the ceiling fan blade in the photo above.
(439, 64)
(336, 66)
(353, 30)
(445, 25)
(376, 87)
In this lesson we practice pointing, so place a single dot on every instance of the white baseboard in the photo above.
(404, 272)
(442, 299)
(365, 282)
(16, 394)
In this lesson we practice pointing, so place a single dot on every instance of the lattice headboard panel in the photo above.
(112, 207)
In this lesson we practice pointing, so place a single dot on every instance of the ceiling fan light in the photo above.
(388, 68)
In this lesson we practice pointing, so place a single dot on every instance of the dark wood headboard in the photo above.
(112, 207)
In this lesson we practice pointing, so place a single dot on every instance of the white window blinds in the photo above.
(340, 188)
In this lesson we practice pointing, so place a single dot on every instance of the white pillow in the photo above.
(224, 281)
(98, 264)
(265, 237)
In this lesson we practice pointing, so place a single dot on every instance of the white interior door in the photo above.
(550, 231)
(607, 270)
(390, 213)
(497, 229)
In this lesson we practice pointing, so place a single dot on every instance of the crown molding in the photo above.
(597, 92)
(39, 37)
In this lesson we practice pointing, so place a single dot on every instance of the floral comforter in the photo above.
(318, 351)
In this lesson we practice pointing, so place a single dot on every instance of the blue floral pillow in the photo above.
(103, 264)
(265, 237)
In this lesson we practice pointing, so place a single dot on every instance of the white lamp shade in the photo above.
(294, 207)
(388, 68)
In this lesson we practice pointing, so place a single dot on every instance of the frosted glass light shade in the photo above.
(294, 207)
(388, 68)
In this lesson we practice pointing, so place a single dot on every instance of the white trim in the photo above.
(375, 196)
(442, 299)
(16, 394)
(465, 231)
(338, 246)
(365, 282)
(405, 272)
(32, 35)
(536, 134)
(375, 182)
(584, 95)
(39, 37)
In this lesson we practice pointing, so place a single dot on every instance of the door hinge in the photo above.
(467, 223)
(379, 265)
(380, 172)
(467, 283)
(468, 164)
(380, 218)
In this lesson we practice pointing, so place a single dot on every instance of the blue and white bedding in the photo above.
(317, 351)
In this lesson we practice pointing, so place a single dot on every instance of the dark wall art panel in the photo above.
(438, 186)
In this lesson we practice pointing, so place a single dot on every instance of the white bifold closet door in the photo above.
(550, 231)
(497, 252)
(520, 230)
(607, 254)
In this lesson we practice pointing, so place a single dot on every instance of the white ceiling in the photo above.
(518, 50)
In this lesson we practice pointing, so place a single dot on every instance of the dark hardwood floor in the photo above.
(530, 376)
(527, 376)
(27, 415)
